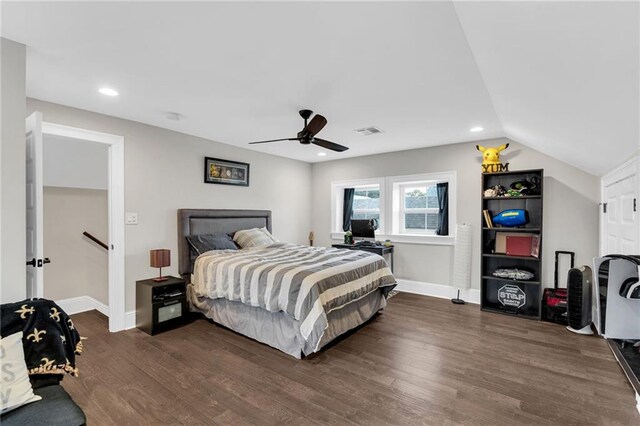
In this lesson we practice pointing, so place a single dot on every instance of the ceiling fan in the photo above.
(306, 136)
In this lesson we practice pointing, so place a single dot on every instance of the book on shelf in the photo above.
(501, 240)
(518, 244)
(487, 218)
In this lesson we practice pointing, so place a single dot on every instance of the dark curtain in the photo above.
(347, 208)
(443, 209)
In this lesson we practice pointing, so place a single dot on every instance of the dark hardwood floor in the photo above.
(422, 361)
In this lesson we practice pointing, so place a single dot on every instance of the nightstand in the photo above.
(382, 250)
(161, 305)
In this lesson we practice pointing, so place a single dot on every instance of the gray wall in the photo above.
(74, 163)
(164, 172)
(79, 266)
(12, 172)
(570, 203)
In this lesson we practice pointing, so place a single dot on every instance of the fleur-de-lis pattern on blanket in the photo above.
(55, 314)
(24, 310)
(51, 341)
(35, 335)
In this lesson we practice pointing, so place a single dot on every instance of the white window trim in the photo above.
(337, 201)
(394, 202)
(391, 207)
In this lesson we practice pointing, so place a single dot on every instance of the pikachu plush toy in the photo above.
(491, 159)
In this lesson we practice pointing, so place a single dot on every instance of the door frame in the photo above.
(35, 170)
(625, 170)
(117, 316)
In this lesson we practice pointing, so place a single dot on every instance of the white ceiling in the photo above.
(559, 77)
(563, 76)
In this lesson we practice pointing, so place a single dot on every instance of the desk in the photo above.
(379, 250)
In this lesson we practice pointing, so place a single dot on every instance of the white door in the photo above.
(620, 222)
(35, 244)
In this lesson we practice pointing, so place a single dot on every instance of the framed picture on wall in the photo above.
(226, 172)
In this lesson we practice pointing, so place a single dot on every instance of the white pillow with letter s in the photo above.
(15, 387)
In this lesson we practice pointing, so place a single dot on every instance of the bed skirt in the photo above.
(280, 330)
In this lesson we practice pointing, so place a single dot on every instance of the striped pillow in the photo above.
(253, 237)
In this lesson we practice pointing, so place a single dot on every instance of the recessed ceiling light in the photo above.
(476, 129)
(108, 91)
(322, 154)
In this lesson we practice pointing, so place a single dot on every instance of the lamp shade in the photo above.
(160, 258)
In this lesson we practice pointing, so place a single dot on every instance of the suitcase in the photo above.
(554, 300)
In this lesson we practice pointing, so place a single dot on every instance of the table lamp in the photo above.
(160, 258)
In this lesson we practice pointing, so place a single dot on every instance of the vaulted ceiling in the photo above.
(560, 77)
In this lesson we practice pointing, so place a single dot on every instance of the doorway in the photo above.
(37, 260)
(76, 223)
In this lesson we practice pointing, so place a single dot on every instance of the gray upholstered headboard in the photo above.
(208, 221)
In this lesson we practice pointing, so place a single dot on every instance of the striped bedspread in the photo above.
(305, 282)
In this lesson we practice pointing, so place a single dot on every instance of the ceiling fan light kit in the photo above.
(306, 136)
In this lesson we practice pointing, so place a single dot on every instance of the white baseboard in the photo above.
(75, 305)
(129, 320)
(638, 402)
(438, 290)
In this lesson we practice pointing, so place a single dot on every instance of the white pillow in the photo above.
(14, 384)
(266, 231)
(253, 237)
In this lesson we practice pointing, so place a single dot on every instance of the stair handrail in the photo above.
(95, 240)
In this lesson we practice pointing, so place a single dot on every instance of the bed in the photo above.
(294, 298)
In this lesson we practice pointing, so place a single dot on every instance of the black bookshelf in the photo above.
(494, 289)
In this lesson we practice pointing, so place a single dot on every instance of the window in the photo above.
(416, 213)
(407, 207)
(366, 202)
(419, 208)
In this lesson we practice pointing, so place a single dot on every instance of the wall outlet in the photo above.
(130, 218)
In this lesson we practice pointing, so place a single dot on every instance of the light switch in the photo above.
(130, 218)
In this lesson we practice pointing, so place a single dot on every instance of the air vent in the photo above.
(368, 131)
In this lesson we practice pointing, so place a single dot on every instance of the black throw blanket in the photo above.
(49, 338)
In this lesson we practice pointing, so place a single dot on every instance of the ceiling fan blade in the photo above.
(315, 125)
(329, 145)
(274, 140)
